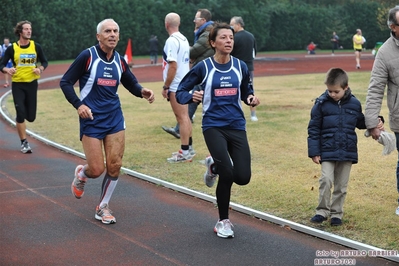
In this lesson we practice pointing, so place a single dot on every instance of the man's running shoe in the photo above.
(224, 229)
(191, 151)
(209, 177)
(104, 214)
(171, 131)
(25, 148)
(178, 157)
(254, 118)
(78, 185)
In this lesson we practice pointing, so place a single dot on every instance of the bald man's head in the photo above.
(172, 19)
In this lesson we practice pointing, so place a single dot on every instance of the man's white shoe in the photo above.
(254, 118)
(179, 157)
(25, 148)
(397, 211)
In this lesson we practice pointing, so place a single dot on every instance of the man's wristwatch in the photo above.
(165, 88)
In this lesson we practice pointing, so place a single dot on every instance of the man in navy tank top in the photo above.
(100, 70)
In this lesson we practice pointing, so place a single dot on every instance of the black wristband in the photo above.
(165, 88)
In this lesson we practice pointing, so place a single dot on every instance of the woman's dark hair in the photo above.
(215, 29)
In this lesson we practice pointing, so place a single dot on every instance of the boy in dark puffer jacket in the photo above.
(332, 142)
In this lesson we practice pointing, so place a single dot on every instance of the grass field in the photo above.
(284, 181)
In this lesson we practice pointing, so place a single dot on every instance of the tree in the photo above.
(65, 27)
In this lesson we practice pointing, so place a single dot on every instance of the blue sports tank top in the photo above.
(99, 86)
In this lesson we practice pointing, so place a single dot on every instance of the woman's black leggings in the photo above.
(224, 144)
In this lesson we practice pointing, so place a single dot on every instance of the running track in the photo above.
(43, 224)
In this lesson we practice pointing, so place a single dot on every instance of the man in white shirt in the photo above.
(176, 64)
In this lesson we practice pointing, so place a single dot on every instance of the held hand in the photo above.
(197, 96)
(253, 100)
(316, 159)
(148, 95)
(85, 112)
(375, 133)
(380, 125)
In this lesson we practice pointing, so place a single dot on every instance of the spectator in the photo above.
(198, 52)
(311, 48)
(334, 145)
(176, 64)
(245, 50)
(154, 49)
(334, 42)
(384, 76)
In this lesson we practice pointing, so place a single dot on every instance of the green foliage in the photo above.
(65, 27)
(365, 17)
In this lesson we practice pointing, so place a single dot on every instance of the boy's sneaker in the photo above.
(397, 211)
(209, 177)
(78, 184)
(104, 214)
(178, 157)
(335, 221)
(224, 229)
(25, 148)
(318, 219)
(171, 131)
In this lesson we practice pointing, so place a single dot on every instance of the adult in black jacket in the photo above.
(244, 49)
